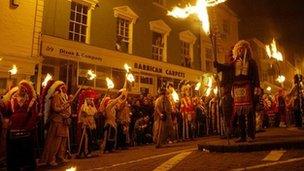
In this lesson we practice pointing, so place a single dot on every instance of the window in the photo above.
(185, 52)
(126, 18)
(187, 39)
(160, 32)
(157, 46)
(78, 22)
(209, 59)
(146, 80)
(225, 29)
(122, 36)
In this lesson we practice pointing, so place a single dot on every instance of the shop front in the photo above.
(69, 61)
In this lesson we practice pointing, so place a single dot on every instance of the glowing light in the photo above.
(91, 74)
(71, 169)
(215, 90)
(199, 9)
(175, 96)
(47, 78)
(1, 59)
(110, 83)
(209, 88)
(272, 51)
(268, 88)
(129, 75)
(127, 67)
(14, 70)
(281, 78)
(198, 86)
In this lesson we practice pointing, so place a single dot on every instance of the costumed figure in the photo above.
(56, 108)
(281, 106)
(297, 99)
(245, 81)
(162, 117)
(214, 113)
(226, 101)
(174, 133)
(86, 121)
(3, 130)
(123, 121)
(187, 110)
(259, 110)
(110, 133)
(21, 103)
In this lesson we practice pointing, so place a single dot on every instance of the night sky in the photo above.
(264, 19)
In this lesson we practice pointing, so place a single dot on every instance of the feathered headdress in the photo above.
(47, 93)
(86, 93)
(241, 44)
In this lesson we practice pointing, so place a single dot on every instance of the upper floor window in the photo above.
(225, 29)
(122, 35)
(157, 46)
(160, 31)
(126, 18)
(209, 59)
(78, 22)
(187, 39)
(185, 52)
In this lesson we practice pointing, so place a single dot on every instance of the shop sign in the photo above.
(54, 51)
(158, 70)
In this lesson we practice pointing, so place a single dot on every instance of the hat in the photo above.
(84, 94)
(48, 92)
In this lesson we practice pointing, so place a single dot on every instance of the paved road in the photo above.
(184, 156)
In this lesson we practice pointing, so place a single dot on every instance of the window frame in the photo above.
(126, 13)
(188, 37)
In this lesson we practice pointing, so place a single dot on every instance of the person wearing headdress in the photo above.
(57, 112)
(245, 82)
(187, 110)
(21, 103)
(110, 134)
(162, 117)
(86, 121)
(123, 121)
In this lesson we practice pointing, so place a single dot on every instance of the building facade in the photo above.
(269, 69)
(20, 30)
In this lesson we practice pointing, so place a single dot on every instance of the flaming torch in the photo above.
(90, 76)
(110, 83)
(175, 96)
(71, 169)
(47, 78)
(272, 51)
(13, 70)
(209, 86)
(198, 86)
(129, 75)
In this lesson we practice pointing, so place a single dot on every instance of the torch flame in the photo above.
(281, 78)
(198, 86)
(14, 70)
(110, 83)
(127, 67)
(71, 169)
(199, 9)
(91, 74)
(174, 96)
(208, 91)
(215, 90)
(268, 88)
(47, 78)
(272, 51)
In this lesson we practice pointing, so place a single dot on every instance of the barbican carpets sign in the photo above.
(51, 50)
(150, 68)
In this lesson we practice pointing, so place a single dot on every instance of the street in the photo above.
(185, 156)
